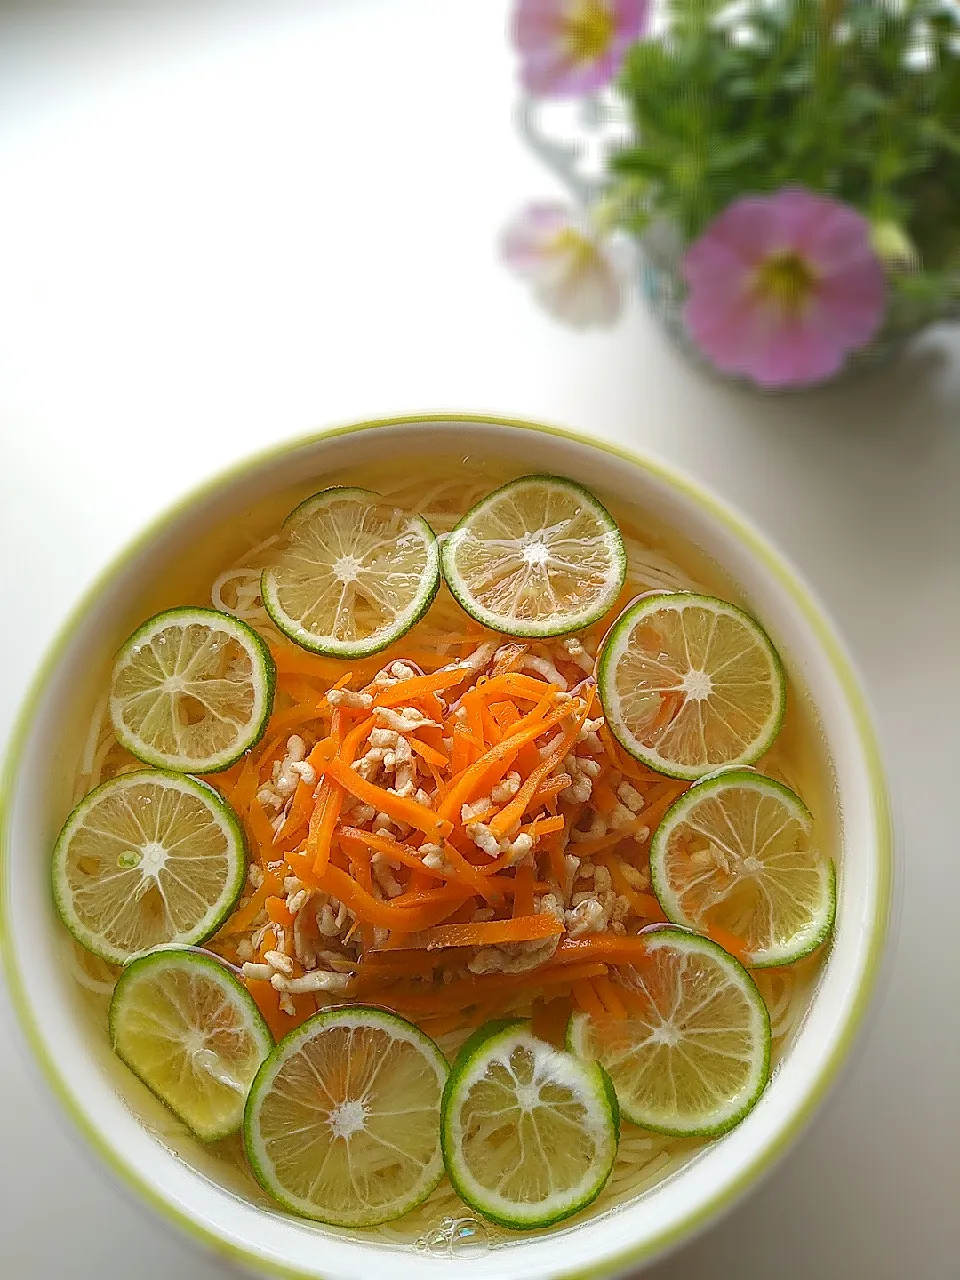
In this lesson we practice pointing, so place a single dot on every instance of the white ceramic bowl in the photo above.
(95, 1092)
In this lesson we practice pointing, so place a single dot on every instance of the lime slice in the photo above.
(352, 574)
(145, 859)
(693, 1054)
(192, 1033)
(737, 851)
(343, 1121)
(192, 690)
(538, 557)
(690, 684)
(529, 1133)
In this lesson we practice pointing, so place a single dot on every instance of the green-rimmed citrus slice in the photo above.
(538, 557)
(145, 859)
(192, 690)
(351, 573)
(690, 684)
(192, 1033)
(738, 851)
(693, 1054)
(529, 1132)
(343, 1121)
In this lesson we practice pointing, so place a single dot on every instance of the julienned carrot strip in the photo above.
(394, 850)
(298, 662)
(480, 882)
(260, 828)
(610, 998)
(612, 948)
(549, 1020)
(268, 1002)
(590, 848)
(330, 795)
(523, 895)
(730, 942)
(505, 714)
(244, 917)
(402, 694)
(434, 895)
(475, 723)
(603, 797)
(486, 933)
(428, 753)
(588, 1000)
(541, 827)
(473, 781)
(558, 866)
(382, 914)
(514, 685)
(277, 912)
(644, 904)
(551, 787)
(400, 808)
(465, 749)
(513, 812)
(491, 730)
(651, 814)
(463, 992)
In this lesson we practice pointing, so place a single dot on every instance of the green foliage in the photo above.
(858, 99)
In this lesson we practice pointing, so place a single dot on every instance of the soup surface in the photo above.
(572, 862)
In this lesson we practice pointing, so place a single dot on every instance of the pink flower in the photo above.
(576, 274)
(572, 47)
(782, 288)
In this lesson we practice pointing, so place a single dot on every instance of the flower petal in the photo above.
(796, 338)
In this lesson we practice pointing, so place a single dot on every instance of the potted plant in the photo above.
(789, 171)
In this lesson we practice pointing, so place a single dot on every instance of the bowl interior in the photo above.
(104, 1099)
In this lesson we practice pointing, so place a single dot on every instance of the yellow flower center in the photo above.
(572, 244)
(786, 280)
(589, 30)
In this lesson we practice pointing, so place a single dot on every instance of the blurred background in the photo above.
(222, 224)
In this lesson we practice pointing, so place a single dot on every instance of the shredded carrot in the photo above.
(590, 848)
(505, 714)
(512, 812)
(278, 913)
(384, 915)
(406, 691)
(486, 933)
(644, 904)
(549, 1020)
(604, 799)
(730, 942)
(541, 827)
(611, 947)
(428, 753)
(400, 808)
(558, 866)
(244, 916)
(610, 998)
(463, 992)
(586, 997)
(523, 896)
(268, 1002)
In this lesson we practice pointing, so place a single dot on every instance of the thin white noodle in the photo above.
(93, 737)
(99, 986)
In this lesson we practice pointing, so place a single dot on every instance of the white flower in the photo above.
(576, 273)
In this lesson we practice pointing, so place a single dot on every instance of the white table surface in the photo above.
(222, 224)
